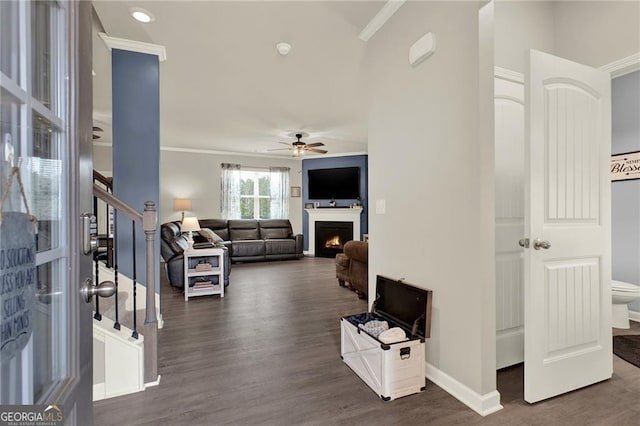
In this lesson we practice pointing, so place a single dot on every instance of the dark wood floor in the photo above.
(269, 353)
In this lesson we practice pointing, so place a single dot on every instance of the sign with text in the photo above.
(17, 282)
(625, 166)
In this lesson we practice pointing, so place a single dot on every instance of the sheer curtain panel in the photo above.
(230, 191)
(279, 192)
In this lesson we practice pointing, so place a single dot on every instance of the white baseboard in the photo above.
(153, 383)
(634, 315)
(482, 404)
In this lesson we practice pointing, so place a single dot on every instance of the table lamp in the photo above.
(182, 204)
(190, 224)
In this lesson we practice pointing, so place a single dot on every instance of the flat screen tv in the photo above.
(337, 184)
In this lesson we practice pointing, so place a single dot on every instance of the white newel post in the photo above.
(332, 214)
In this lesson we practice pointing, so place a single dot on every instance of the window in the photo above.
(254, 194)
(255, 199)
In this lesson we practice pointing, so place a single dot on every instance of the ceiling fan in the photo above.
(299, 148)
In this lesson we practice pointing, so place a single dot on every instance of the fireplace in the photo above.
(331, 236)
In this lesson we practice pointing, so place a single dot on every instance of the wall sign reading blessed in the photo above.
(625, 166)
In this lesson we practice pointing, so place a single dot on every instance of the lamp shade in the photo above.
(181, 204)
(190, 224)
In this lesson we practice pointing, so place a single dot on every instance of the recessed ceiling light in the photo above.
(142, 15)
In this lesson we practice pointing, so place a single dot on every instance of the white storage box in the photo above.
(396, 369)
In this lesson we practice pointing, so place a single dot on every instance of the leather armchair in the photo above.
(358, 277)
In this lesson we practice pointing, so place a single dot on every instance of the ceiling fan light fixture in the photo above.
(283, 48)
(142, 15)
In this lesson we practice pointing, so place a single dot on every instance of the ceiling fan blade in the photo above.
(285, 143)
(319, 151)
(313, 145)
(279, 149)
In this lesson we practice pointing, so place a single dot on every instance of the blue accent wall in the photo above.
(360, 161)
(625, 195)
(136, 150)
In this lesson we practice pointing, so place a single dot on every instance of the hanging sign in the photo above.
(625, 166)
(17, 282)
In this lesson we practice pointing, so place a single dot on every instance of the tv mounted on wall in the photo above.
(337, 184)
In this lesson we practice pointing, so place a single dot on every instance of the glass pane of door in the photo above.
(9, 39)
(32, 367)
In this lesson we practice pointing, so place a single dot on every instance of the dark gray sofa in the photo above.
(246, 240)
(268, 239)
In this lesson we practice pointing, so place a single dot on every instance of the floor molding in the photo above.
(634, 315)
(482, 404)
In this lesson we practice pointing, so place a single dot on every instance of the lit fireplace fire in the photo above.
(333, 242)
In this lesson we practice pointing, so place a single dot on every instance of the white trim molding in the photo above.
(482, 404)
(634, 315)
(134, 46)
(380, 19)
(509, 75)
(623, 66)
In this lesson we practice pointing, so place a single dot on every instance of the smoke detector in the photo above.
(283, 48)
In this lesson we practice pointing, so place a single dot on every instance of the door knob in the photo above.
(104, 289)
(524, 242)
(538, 244)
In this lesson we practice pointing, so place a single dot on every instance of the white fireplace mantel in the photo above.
(332, 214)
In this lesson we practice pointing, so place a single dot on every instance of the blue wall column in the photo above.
(136, 150)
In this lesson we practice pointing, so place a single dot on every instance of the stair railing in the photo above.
(149, 222)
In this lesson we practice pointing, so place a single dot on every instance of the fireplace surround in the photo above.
(334, 214)
(331, 237)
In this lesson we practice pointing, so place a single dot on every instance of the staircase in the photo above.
(124, 351)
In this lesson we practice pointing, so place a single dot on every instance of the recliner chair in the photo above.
(172, 245)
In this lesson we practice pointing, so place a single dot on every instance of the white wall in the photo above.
(597, 33)
(593, 33)
(520, 26)
(197, 176)
(424, 161)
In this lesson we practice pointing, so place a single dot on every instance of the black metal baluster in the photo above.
(116, 324)
(135, 309)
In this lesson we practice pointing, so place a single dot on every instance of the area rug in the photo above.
(627, 348)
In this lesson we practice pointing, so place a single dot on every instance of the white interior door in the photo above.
(509, 208)
(567, 285)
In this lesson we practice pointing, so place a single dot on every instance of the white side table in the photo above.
(208, 278)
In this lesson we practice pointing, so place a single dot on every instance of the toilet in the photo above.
(622, 294)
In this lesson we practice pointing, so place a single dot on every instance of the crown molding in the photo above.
(239, 154)
(507, 74)
(623, 66)
(134, 46)
(380, 19)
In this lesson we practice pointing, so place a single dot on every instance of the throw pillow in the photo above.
(210, 235)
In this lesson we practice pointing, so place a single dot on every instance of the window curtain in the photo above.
(279, 192)
(230, 191)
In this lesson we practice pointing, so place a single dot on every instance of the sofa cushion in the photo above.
(247, 248)
(284, 246)
(275, 228)
(243, 230)
(210, 235)
(274, 233)
(170, 231)
(219, 226)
